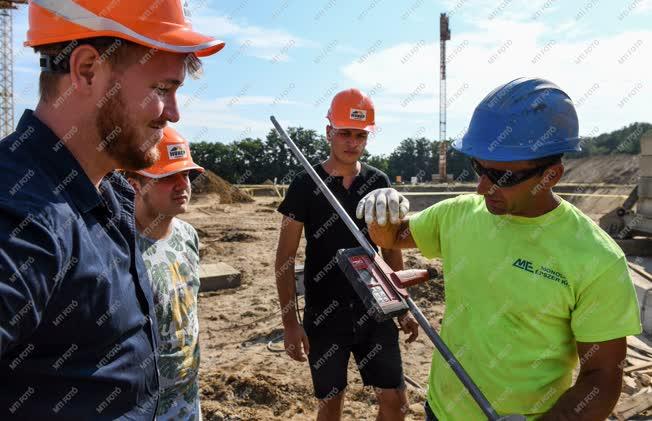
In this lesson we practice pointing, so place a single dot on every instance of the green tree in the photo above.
(401, 159)
(626, 140)
(249, 161)
(378, 161)
(412, 158)
(215, 156)
(279, 159)
(253, 160)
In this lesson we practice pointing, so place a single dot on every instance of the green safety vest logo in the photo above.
(541, 271)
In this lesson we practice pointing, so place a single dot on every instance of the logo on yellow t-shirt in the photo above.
(524, 264)
(542, 271)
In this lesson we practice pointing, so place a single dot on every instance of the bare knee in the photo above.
(330, 409)
(393, 404)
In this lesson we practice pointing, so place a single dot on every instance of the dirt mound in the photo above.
(237, 236)
(428, 292)
(274, 204)
(209, 182)
(245, 396)
(609, 169)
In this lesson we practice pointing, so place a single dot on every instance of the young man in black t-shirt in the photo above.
(336, 322)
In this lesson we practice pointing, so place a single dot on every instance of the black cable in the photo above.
(279, 337)
(296, 307)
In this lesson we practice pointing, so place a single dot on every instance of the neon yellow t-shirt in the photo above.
(519, 293)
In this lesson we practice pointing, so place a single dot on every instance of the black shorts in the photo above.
(375, 349)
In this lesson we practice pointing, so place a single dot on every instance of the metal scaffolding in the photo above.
(444, 35)
(7, 66)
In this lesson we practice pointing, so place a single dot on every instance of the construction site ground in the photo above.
(241, 379)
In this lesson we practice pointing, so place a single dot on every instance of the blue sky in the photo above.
(288, 58)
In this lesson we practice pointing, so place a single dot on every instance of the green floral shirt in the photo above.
(173, 267)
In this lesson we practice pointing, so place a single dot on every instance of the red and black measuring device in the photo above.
(369, 277)
(382, 290)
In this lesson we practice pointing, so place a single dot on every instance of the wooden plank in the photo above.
(644, 380)
(634, 359)
(639, 345)
(633, 353)
(643, 391)
(629, 385)
(278, 192)
(626, 404)
(637, 367)
(632, 406)
(640, 270)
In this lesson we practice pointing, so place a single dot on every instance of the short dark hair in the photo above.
(116, 51)
(547, 161)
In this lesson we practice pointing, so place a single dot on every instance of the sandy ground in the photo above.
(609, 169)
(240, 378)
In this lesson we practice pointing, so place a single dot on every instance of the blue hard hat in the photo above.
(527, 118)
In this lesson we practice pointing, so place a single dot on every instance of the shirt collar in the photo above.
(53, 155)
(324, 175)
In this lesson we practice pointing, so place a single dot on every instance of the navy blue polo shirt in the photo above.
(77, 330)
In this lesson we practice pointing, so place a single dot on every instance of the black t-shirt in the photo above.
(327, 288)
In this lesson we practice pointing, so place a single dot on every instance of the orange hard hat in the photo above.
(352, 109)
(174, 156)
(160, 24)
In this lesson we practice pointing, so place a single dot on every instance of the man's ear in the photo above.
(550, 178)
(84, 68)
(329, 132)
(555, 173)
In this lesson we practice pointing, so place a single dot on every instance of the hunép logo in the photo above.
(360, 115)
(176, 151)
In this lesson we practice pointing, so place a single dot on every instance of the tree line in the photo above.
(255, 160)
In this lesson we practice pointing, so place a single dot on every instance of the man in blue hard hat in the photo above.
(532, 284)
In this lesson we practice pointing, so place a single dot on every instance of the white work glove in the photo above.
(375, 204)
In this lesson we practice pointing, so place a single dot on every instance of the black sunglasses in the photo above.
(507, 178)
